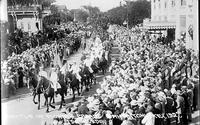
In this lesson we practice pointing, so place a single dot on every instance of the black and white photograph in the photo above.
(99, 62)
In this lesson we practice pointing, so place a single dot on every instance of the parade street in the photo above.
(20, 110)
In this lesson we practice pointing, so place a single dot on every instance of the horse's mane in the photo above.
(45, 79)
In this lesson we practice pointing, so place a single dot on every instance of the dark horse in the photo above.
(102, 64)
(46, 86)
(86, 77)
(73, 82)
(33, 81)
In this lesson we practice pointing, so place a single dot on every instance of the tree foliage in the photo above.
(79, 15)
(117, 15)
(92, 11)
(57, 17)
(139, 10)
(134, 11)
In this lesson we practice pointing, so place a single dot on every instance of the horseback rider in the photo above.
(88, 62)
(75, 70)
(42, 72)
(65, 67)
(54, 79)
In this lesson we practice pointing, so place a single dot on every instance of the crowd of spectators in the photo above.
(151, 83)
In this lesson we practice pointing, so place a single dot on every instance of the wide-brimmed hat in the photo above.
(133, 102)
(174, 86)
(184, 87)
(53, 68)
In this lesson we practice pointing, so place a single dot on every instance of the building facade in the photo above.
(175, 18)
(26, 18)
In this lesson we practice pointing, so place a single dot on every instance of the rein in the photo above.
(47, 88)
(43, 86)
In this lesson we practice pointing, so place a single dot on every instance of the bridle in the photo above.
(38, 85)
(46, 88)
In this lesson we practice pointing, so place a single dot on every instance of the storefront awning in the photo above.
(159, 25)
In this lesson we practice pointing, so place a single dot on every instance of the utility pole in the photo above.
(74, 16)
(127, 7)
(4, 28)
(127, 12)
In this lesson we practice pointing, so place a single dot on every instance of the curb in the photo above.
(15, 97)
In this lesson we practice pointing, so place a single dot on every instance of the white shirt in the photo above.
(54, 79)
(173, 91)
(149, 119)
(64, 69)
(43, 73)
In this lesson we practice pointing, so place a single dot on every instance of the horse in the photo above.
(46, 86)
(94, 66)
(76, 43)
(73, 82)
(102, 64)
(86, 77)
(63, 82)
(33, 80)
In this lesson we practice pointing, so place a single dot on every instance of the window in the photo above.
(183, 2)
(159, 18)
(165, 4)
(183, 21)
(154, 6)
(159, 5)
(190, 3)
(173, 3)
(154, 1)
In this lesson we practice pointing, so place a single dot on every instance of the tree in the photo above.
(134, 11)
(117, 15)
(139, 10)
(92, 11)
(57, 16)
(79, 15)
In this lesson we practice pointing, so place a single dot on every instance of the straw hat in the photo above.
(184, 87)
(133, 102)
(174, 86)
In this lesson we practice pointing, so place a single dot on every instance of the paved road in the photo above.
(20, 110)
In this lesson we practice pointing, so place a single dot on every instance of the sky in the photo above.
(103, 5)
